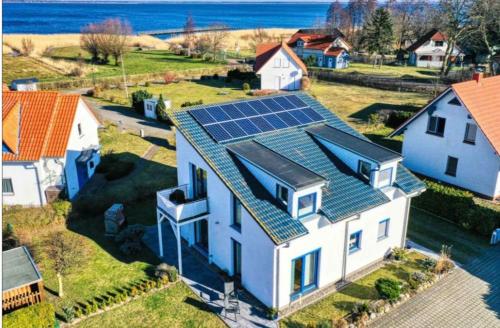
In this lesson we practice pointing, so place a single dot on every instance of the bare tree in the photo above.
(215, 38)
(89, 40)
(65, 252)
(189, 36)
(455, 14)
(258, 36)
(404, 13)
(27, 46)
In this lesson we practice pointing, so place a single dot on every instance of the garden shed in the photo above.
(22, 283)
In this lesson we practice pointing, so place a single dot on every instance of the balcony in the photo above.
(181, 210)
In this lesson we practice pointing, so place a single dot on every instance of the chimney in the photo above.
(477, 76)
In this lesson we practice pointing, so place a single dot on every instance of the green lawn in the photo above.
(24, 67)
(339, 304)
(136, 62)
(176, 306)
(432, 232)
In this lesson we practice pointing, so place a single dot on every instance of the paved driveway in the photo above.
(469, 297)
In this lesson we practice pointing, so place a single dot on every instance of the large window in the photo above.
(355, 242)
(199, 183)
(282, 194)
(305, 273)
(236, 222)
(436, 125)
(365, 169)
(236, 258)
(383, 229)
(451, 166)
(307, 205)
(384, 178)
(7, 186)
(470, 133)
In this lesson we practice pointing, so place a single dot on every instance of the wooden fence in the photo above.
(22, 296)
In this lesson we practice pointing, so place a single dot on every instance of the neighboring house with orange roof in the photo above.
(49, 145)
(429, 50)
(329, 49)
(456, 137)
(279, 67)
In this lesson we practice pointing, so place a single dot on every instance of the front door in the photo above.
(199, 182)
(201, 234)
(236, 258)
(82, 173)
(304, 274)
(320, 61)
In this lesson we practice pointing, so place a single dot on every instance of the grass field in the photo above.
(340, 304)
(19, 67)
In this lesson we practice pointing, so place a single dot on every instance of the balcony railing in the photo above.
(181, 211)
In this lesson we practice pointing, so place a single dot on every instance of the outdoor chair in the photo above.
(231, 300)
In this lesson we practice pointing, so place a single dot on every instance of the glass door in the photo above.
(236, 259)
(304, 274)
(199, 182)
(201, 234)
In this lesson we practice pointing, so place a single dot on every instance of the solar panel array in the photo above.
(243, 119)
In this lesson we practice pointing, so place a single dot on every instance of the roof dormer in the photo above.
(295, 187)
(373, 163)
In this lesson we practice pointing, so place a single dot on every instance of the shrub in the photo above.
(417, 278)
(271, 313)
(169, 77)
(444, 263)
(94, 305)
(388, 289)
(340, 323)
(310, 61)
(134, 291)
(172, 274)
(76, 71)
(69, 313)
(61, 208)
(133, 232)
(360, 307)
(131, 248)
(138, 100)
(374, 118)
(216, 76)
(161, 109)
(88, 309)
(305, 83)
(192, 103)
(177, 197)
(34, 316)
(161, 270)
(400, 254)
(237, 74)
(428, 263)
(119, 170)
(90, 93)
(9, 239)
(27, 46)
(147, 84)
(396, 118)
(246, 87)
(78, 312)
(324, 324)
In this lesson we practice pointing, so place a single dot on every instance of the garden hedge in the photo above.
(458, 206)
(41, 315)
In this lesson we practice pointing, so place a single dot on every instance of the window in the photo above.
(438, 43)
(384, 178)
(307, 205)
(236, 258)
(383, 229)
(436, 125)
(365, 169)
(80, 132)
(7, 186)
(454, 101)
(425, 58)
(451, 166)
(277, 62)
(355, 242)
(199, 182)
(304, 274)
(286, 63)
(236, 221)
(282, 194)
(470, 133)
(91, 164)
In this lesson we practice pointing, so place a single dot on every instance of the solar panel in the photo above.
(242, 119)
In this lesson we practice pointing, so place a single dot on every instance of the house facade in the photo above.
(454, 138)
(279, 68)
(430, 49)
(326, 50)
(150, 107)
(49, 145)
(286, 197)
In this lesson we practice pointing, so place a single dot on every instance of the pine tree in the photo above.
(377, 33)
(161, 109)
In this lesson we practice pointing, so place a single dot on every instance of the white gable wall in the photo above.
(478, 165)
(285, 76)
(436, 52)
(25, 177)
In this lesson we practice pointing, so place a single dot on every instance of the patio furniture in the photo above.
(231, 300)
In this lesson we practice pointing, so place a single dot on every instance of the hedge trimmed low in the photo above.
(41, 315)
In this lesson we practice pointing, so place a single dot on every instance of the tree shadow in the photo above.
(364, 113)
(391, 143)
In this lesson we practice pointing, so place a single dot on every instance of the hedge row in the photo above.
(41, 315)
(458, 205)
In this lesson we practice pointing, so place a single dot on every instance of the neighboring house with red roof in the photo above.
(49, 145)
(456, 137)
(279, 67)
(328, 49)
(429, 50)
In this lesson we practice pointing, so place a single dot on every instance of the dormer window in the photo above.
(307, 205)
(384, 178)
(439, 43)
(365, 169)
(282, 194)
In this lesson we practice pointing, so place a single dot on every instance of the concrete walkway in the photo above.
(469, 297)
(205, 282)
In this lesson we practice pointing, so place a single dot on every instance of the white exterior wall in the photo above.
(25, 177)
(289, 73)
(478, 165)
(430, 49)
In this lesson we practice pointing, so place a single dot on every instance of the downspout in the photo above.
(40, 193)
(277, 282)
(405, 224)
(346, 246)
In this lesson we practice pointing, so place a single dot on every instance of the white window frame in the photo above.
(277, 62)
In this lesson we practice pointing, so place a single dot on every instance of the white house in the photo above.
(29, 84)
(284, 195)
(150, 107)
(430, 49)
(456, 137)
(279, 68)
(49, 144)
(329, 50)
